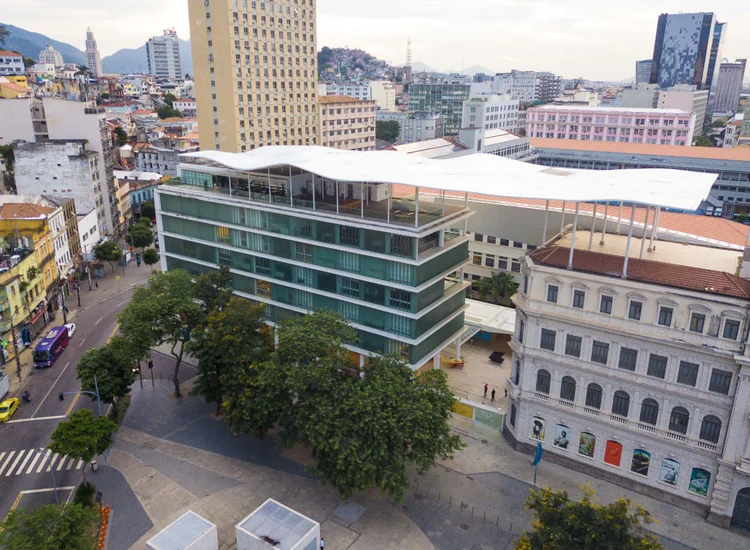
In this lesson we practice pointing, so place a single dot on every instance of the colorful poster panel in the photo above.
(537, 428)
(613, 453)
(586, 444)
(562, 436)
(670, 469)
(641, 462)
(700, 479)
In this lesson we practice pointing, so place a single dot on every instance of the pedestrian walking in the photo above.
(493, 394)
(322, 543)
(506, 392)
(96, 283)
(485, 390)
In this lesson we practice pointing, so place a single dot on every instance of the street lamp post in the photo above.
(52, 471)
(15, 346)
(62, 298)
(95, 393)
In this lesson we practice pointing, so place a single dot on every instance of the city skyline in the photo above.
(438, 35)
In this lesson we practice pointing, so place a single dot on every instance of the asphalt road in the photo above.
(25, 471)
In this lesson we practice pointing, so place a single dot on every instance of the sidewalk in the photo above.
(108, 287)
(486, 475)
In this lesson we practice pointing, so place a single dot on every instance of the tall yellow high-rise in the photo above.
(255, 71)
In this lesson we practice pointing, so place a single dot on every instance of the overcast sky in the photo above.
(594, 39)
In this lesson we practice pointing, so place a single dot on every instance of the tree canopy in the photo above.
(140, 235)
(4, 34)
(49, 527)
(565, 524)
(499, 287)
(109, 252)
(112, 364)
(83, 436)
(148, 210)
(150, 257)
(165, 111)
(233, 338)
(122, 136)
(164, 312)
(703, 141)
(387, 130)
(214, 289)
(364, 431)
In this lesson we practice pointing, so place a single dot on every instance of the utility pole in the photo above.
(62, 298)
(95, 393)
(52, 471)
(15, 346)
(78, 291)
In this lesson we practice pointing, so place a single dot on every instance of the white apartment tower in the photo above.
(163, 55)
(490, 111)
(93, 60)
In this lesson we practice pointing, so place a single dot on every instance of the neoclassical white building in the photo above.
(637, 370)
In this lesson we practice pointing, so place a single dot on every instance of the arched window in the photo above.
(594, 396)
(678, 420)
(620, 403)
(543, 381)
(649, 411)
(710, 428)
(568, 389)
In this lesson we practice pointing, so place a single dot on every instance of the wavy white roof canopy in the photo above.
(480, 173)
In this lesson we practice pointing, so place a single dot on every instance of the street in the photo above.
(27, 468)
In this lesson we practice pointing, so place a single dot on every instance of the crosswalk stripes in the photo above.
(44, 460)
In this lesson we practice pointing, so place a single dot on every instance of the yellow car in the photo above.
(7, 408)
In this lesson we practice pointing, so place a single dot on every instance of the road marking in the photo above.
(99, 321)
(81, 342)
(1, 456)
(70, 464)
(18, 458)
(72, 404)
(33, 462)
(35, 419)
(60, 464)
(52, 462)
(111, 334)
(16, 502)
(121, 303)
(47, 490)
(80, 463)
(44, 459)
(50, 389)
(25, 460)
(5, 464)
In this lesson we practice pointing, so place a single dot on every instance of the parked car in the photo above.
(71, 329)
(7, 408)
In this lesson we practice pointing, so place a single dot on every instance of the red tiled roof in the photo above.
(6, 53)
(646, 271)
(24, 211)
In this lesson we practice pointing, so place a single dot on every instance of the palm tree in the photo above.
(499, 287)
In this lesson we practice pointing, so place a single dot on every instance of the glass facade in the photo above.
(307, 263)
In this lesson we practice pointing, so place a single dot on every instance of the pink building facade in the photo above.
(613, 124)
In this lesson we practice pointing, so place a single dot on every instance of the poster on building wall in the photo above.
(562, 436)
(670, 469)
(586, 444)
(613, 453)
(700, 479)
(537, 428)
(641, 462)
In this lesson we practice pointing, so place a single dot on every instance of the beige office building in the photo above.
(255, 72)
(346, 123)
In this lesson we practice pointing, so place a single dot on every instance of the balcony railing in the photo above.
(630, 424)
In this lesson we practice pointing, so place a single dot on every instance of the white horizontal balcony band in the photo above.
(391, 335)
(333, 246)
(343, 273)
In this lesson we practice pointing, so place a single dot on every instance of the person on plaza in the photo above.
(322, 543)
(493, 394)
(506, 392)
(485, 390)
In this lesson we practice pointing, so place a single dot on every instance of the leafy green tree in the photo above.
(139, 235)
(703, 141)
(229, 343)
(214, 289)
(83, 436)
(169, 99)
(565, 524)
(4, 34)
(150, 257)
(148, 210)
(165, 111)
(109, 252)
(50, 527)
(499, 287)
(121, 135)
(387, 130)
(113, 365)
(28, 61)
(164, 312)
(364, 432)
